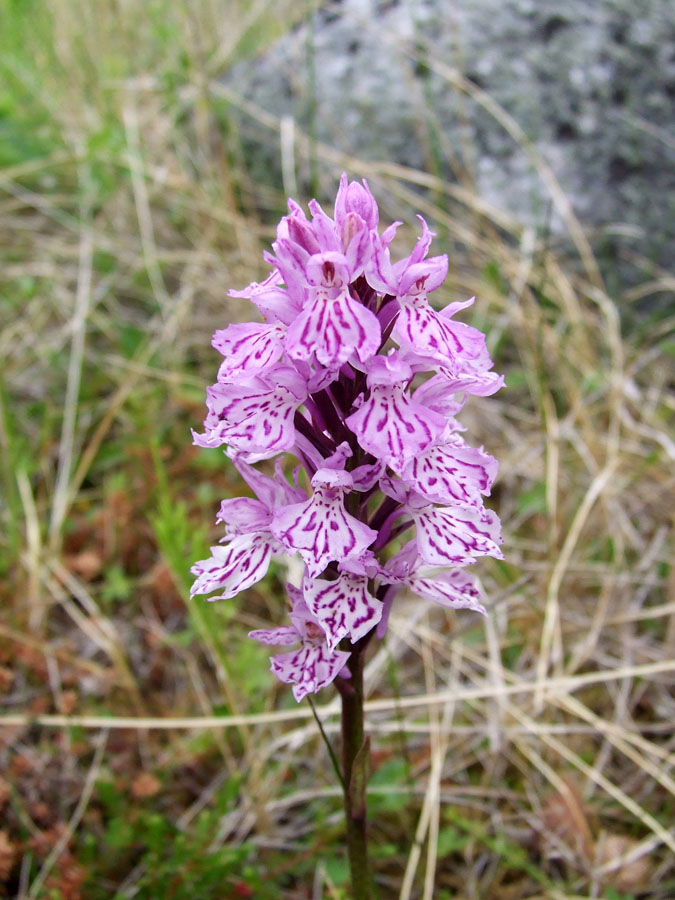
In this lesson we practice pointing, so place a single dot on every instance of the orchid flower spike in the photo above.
(355, 375)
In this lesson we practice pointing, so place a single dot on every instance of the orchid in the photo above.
(355, 375)
(316, 663)
(350, 355)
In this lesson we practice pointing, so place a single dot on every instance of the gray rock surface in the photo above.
(590, 82)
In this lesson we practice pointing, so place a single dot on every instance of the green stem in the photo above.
(355, 762)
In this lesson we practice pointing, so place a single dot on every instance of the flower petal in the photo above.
(256, 414)
(234, 566)
(284, 634)
(309, 669)
(455, 589)
(455, 535)
(430, 334)
(243, 515)
(249, 348)
(333, 326)
(379, 272)
(343, 607)
(273, 301)
(290, 260)
(424, 276)
(353, 197)
(320, 530)
(451, 472)
(272, 492)
(479, 383)
(392, 426)
(437, 394)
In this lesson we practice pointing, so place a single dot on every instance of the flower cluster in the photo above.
(355, 374)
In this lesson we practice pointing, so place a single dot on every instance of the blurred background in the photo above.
(146, 153)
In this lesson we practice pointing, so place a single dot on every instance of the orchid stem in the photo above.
(355, 764)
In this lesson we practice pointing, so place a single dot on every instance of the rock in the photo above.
(592, 84)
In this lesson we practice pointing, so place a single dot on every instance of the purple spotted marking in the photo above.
(434, 335)
(343, 607)
(235, 566)
(390, 424)
(451, 473)
(315, 665)
(454, 536)
(320, 529)
(255, 414)
(249, 348)
(454, 589)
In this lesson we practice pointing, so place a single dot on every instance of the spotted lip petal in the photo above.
(320, 530)
(390, 424)
(343, 607)
(235, 566)
(456, 535)
(256, 414)
(451, 472)
(249, 348)
(333, 326)
(309, 669)
(435, 336)
(454, 589)
(314, 665)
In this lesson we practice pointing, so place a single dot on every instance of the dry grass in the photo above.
(530, 755)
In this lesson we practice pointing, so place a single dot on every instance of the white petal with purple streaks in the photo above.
(343, 607)
(455, 535)
(430, 334)
(309, 669)
(256, 414)
(248, 348)
(455, 589)
(235, 566)
(392, 426)
(451, 472)
(320, 530)
(333, 326)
